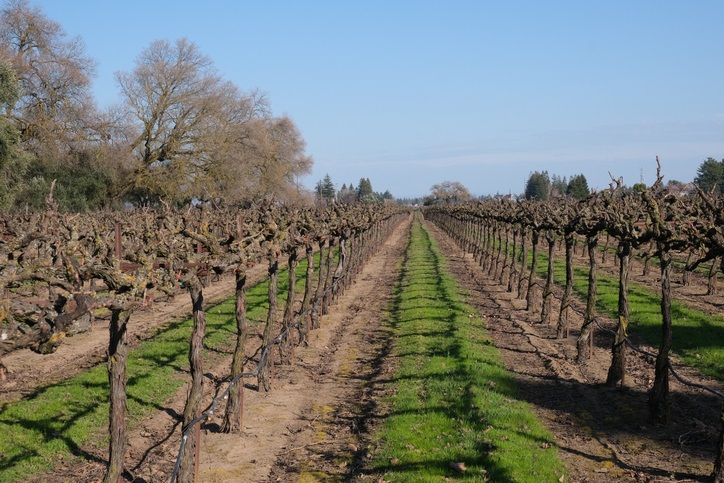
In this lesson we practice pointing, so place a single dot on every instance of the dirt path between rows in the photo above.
(304, 427)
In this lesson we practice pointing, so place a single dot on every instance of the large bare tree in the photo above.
(200, 137)
(173, 93)
(54, 74)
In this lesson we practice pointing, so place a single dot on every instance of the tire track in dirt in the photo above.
(295, 429)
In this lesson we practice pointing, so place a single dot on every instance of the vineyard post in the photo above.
(469, 234)
(352, 255)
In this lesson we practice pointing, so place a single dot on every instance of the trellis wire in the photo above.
(668, 363)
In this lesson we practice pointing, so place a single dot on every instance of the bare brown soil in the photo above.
(317, 423)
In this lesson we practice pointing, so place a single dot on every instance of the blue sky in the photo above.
(413, 93)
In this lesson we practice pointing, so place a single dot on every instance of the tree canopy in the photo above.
(578, 187)
(448, 192)
(181, 134)
(538, 186)
(710, 175)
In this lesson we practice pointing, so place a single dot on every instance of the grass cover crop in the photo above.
(455, 412)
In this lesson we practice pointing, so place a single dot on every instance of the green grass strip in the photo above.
(454, 401)
(697, 337)
(62, 423)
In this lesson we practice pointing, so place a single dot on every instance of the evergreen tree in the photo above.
(387, 195)
(365, 193)
(328, 190)
(578, 187)
(538, 186)
(325, 189)
(709, 174)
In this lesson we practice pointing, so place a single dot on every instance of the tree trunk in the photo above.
(498, 245)
(712, 279)
(647, 259)
(485, 246)
(513, 260)
(339, 271)
(545, 316)
(187, 468)
(322, 276)
(523, 261)
(686, 274)
(234, 414)
(617, 371)
(533, 270)
(306, 316)
(286, 348)
(719, 463)
(659, 398)
(264, 376)
(327, 295)
(117, 355)
(584, 344)
(505, 267)
(562, 330)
